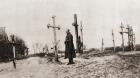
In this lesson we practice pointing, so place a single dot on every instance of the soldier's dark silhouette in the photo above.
(69, 47)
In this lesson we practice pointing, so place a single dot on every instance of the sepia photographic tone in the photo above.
(69, 39)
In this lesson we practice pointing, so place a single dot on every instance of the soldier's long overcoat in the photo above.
(69, 46)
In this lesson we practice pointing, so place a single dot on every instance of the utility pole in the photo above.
(82, 36)
(113, 40)
(55, 38)
(102, 44)
(75, 24)
(122, 32)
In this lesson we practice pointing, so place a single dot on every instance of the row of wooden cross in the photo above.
(131, 38)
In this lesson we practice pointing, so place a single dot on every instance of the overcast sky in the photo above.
(28, 19)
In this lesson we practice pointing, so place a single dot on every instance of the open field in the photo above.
(110, 66)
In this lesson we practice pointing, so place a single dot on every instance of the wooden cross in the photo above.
(102, 44)
(14, 50)
(122, 32)
(128, 32)
(82, 37)
(134, 42)
(132, 38)
(55, 38)
(113, 40)
(75, 24)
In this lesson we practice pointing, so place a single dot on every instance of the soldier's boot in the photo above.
(70, 61)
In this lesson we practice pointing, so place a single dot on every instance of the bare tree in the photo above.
(37, 47)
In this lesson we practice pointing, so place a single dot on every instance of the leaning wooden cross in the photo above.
(113, 39)
(13, 43)
(81, 37)
(55, 38)
(122, 33)
(75, 24)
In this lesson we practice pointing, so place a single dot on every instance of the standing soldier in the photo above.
(69, 47)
